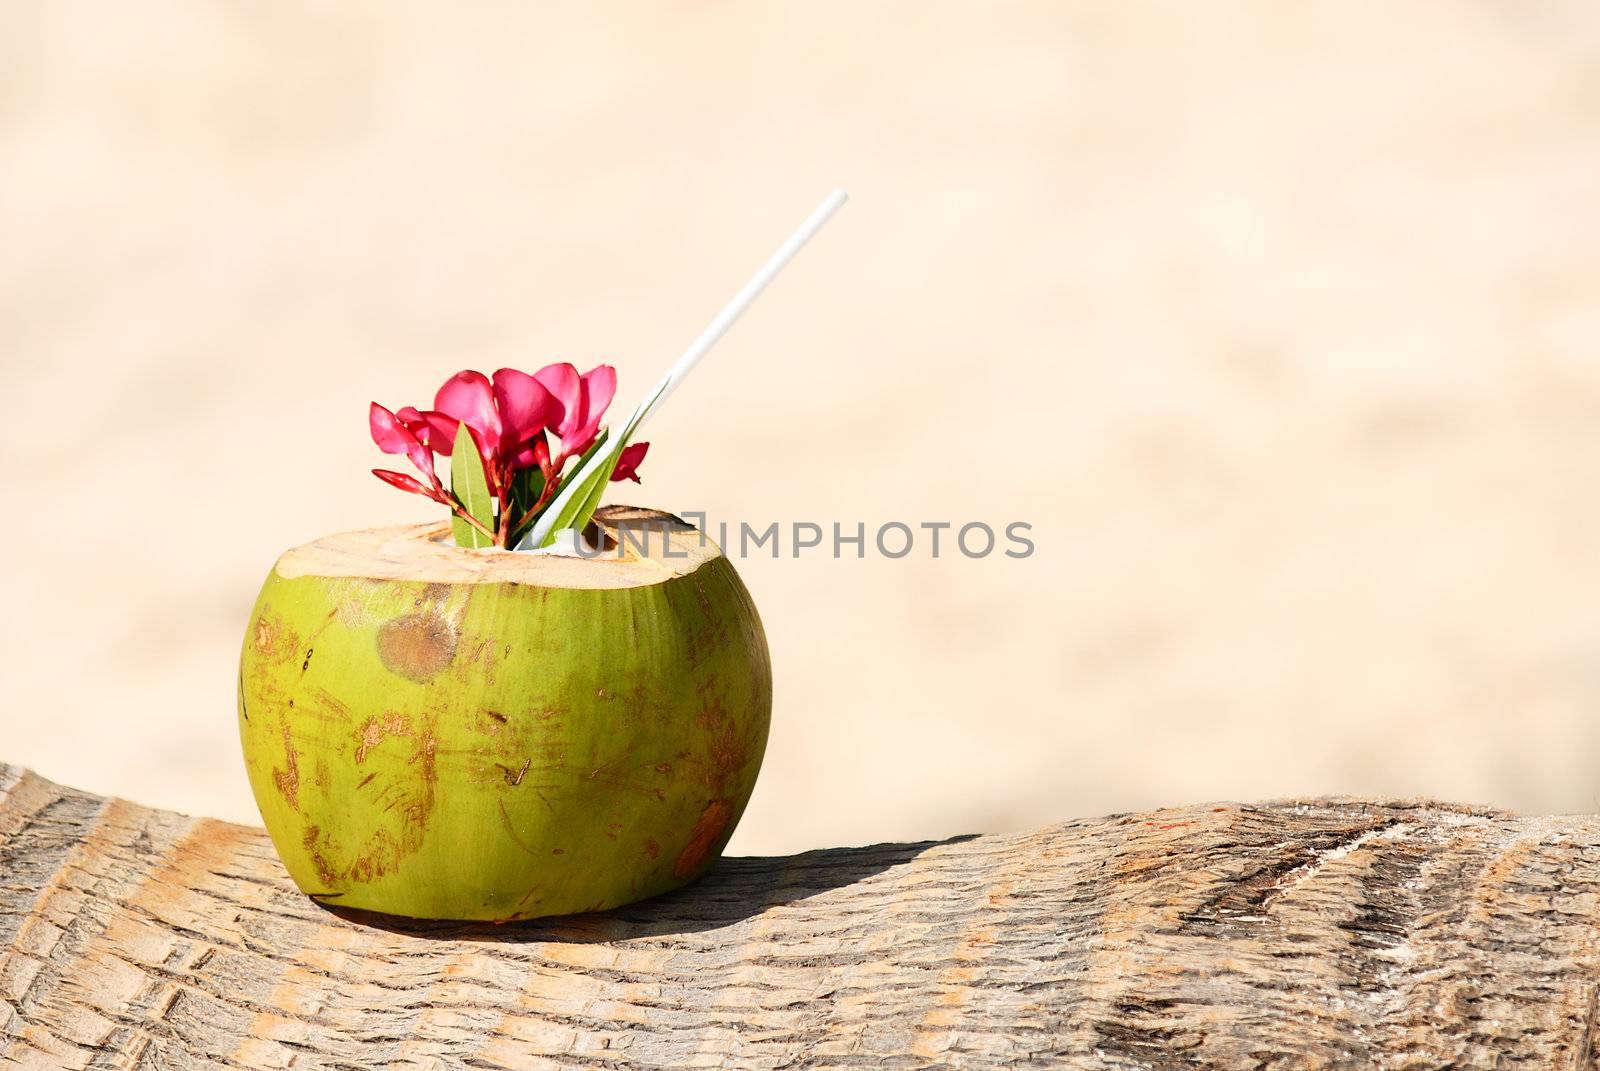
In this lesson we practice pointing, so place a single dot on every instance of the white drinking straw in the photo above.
(691, 357)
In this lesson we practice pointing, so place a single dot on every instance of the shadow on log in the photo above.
(1324, 933)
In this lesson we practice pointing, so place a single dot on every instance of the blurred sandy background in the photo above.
(1280, 323)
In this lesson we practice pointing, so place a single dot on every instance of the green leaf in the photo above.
(526, 487)
(585, 499)
(597, 492)
(471, 489)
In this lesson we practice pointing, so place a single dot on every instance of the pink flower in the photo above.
(628, 464)
(507, 417)
(583, 402)
(433, 429)
(501, 416)
(394, 437)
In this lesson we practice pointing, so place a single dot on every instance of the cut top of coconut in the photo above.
(643, 546)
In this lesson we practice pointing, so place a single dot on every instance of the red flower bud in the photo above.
(628, 463)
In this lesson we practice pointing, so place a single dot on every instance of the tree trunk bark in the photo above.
(1319, 933)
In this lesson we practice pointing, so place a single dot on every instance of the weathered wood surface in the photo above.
(1329, 933)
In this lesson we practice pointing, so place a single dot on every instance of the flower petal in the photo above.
(526, 407)
(417, 424)
(566, 386)
(628, 463)
(437, 431)
(468, 397)
(580, 425)
(531, 454)
(393, 437)
(599, 387)
(387, 431)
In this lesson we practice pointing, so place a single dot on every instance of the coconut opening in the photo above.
(595, 542)
(641, 546)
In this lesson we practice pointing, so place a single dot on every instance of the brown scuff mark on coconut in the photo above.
(417, 646)
(288, 778)
(265, 635)
(427, 754)
(728, 753)
(478, 662)
(309, 840)
(729, 749)
(378, 728)
(275, 642)
(385, 849)
(310, 642)
(407, 800)
(383, 854)
(421, 811)
(713, 820)
(326, 707)
(278, 644)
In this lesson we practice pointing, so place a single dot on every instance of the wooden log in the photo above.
(1320, 933)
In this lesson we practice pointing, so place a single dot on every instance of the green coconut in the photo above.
(438, 732)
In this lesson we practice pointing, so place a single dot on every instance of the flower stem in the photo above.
(503, 479)
(469, 518)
